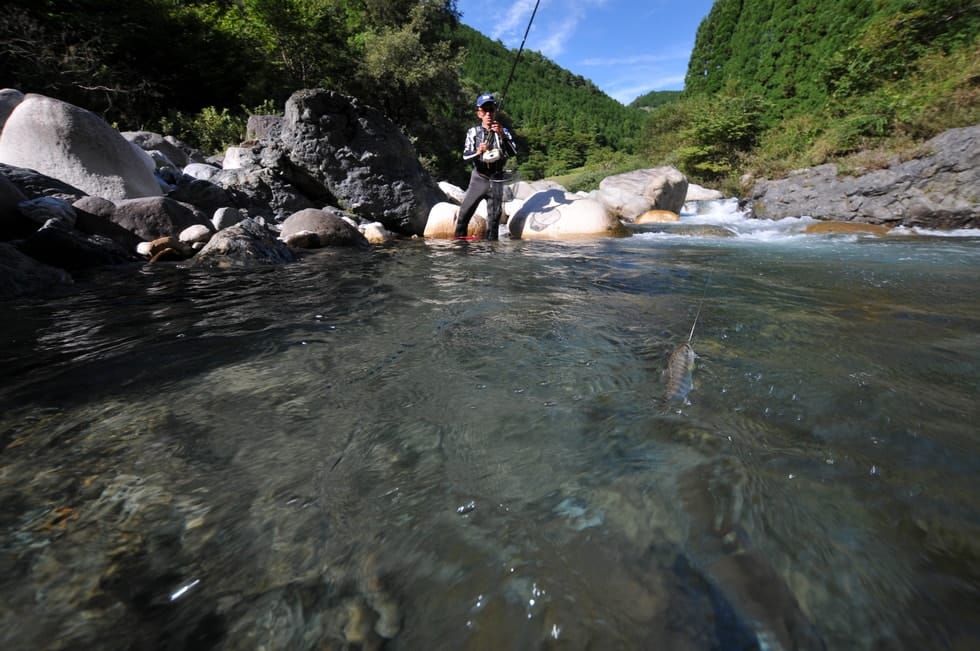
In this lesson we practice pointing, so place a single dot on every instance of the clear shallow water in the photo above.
(465, 446)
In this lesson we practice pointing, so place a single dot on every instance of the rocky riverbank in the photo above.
(75, 193)
(938, 189)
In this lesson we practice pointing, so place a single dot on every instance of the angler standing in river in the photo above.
(488, 145)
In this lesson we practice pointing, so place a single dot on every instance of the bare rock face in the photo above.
(75, 146)
(936, 190)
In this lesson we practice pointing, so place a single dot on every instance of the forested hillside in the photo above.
(656, 98)
(772, 86)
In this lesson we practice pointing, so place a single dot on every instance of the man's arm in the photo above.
(471, 148)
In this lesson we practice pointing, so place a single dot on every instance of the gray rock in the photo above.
(153, 217)
(93, 216)
(263, 127)
(76, 146)
(42, 209)
(225, 217)
(244, 244)
(263, 192)
(313, 228)
(201, 171)
(936, 190)
(58, 245)
(21, 275)
(358, 156)
(631, 194)
(196, 234)
(33, 184)
(202, 194)
(149, 141)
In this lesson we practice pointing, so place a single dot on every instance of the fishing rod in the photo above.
(517, 59)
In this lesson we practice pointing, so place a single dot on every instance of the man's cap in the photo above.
(485, 98)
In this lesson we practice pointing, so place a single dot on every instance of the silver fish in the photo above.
(680, 372)
(680, 368)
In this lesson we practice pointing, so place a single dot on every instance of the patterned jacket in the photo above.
(475, 136)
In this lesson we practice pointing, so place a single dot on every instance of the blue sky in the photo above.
(626, 47)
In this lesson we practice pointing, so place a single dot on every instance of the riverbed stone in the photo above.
(850, 228)
(657, 217)
(244, 244)
(328, 225)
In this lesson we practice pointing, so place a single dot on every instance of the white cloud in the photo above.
(680, 54)
(513, 22)
(625, 91)
(552, 36)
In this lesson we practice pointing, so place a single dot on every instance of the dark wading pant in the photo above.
(480, 187)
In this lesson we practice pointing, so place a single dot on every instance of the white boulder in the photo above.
(75, 146)
(560, 215)
(631, 194)
(442, 221)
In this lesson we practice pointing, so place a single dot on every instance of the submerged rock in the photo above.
(245, 243)
(847, 228)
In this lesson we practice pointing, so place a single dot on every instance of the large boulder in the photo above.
(312, 228)
(631, 194)
(559, 215)
(76, 146)
(154, 217)
(360, 158)
(936, 190)
(441, 223)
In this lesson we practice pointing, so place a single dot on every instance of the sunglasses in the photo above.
(488, 108)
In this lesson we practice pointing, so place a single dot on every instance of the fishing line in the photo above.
(518, 57)
(704, 293)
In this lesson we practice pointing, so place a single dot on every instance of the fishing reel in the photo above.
(491, 156)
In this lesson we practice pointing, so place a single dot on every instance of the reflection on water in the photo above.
(465, 446)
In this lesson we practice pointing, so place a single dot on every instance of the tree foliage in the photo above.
(772, 86)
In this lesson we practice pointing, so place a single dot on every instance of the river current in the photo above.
(438, 445)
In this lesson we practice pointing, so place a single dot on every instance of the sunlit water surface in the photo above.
(466, 446)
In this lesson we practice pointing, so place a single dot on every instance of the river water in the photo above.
(440, 445)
